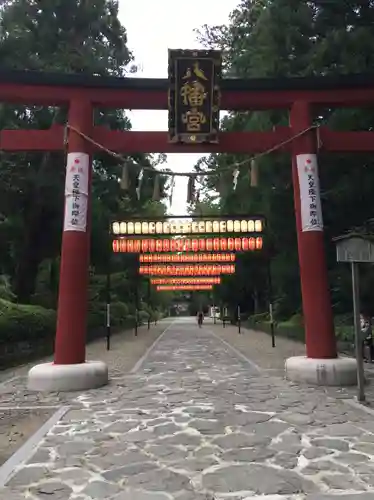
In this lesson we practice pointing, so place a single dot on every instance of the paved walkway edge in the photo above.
(355, 404)
(238, 353)
(26, 451)
(140, 361)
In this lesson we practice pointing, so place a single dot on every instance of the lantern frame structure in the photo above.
(182, 258)
(184, 270)
(207, 280)
(184, 288)
(201, 245)
(185, 225)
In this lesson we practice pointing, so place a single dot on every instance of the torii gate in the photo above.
(83, 93)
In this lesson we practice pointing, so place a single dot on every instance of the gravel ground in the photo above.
(18, 425)
(257, 346)
(118, 357)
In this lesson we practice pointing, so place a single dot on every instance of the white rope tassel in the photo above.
(172, 185)
(156, 189)
(254, 173)
(125, 178)
(139, 187)
(235, 175)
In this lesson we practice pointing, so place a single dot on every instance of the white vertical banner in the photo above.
(310, 198)
(76, 192)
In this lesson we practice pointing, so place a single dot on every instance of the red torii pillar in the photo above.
(70, 371)
(321, 364)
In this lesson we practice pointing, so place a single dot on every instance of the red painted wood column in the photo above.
(70, 342)
(318, 318)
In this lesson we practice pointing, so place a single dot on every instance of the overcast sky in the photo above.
(154, 26)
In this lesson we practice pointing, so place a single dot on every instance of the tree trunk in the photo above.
(27, 271)
(256, 302)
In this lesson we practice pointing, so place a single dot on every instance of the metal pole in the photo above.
(356, 315)
(136, 310)
(239, 322)
(149, 303)
(214, 310)
(136, 301)
(272, 325)
(108, 297)
(270, 286)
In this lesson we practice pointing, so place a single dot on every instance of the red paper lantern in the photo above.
(152, 245)
(202, 244)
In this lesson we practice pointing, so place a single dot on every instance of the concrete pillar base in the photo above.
(328, 372)
(49, 377)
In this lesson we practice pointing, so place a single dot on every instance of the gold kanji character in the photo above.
(199, 72)
(194, 119)
(193, 94)
(196, 70)
(187, 75)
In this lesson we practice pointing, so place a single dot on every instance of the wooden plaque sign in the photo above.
(194, 95)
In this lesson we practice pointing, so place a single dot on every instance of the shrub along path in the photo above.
(125, 350)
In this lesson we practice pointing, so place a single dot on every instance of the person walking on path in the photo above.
(200, 318)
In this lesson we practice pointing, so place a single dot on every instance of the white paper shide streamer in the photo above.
(235, 176)
(76, 192)
(310, 198)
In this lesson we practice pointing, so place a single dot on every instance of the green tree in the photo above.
(70, 36)
(321, 38)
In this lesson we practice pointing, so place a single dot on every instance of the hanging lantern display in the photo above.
(186, 281)
(184, 288)
(181, 258)
(183, 270)
(196, 245)
(199, 227)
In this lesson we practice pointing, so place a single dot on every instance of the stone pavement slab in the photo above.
(198, 422)
(257, 345)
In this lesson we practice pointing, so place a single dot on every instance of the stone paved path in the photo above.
(197, 422)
